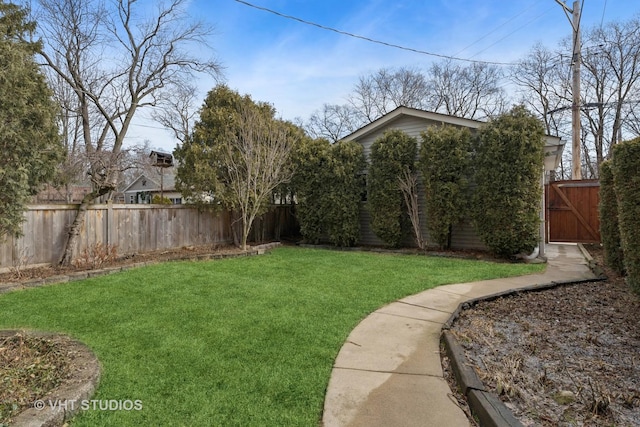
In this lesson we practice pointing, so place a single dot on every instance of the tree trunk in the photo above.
(69, 253)
(233, 226)
(245, 234)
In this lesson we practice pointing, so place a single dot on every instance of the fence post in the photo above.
(110, 227)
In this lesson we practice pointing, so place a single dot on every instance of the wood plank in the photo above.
(572, 213)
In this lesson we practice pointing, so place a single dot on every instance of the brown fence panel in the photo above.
(132, 229)
(572, 211)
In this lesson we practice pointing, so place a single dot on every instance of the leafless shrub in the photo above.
(21, 259)
(408, 184)
(96, 255)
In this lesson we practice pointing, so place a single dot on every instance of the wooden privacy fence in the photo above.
(132, 229)
(572, 211)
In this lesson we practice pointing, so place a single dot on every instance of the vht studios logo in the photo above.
(85, 405)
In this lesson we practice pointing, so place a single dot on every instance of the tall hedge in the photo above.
(444, 163)
(328, 186)
(626, 178)
(312, 160)
(509, 156)
(345, 193)
(609, 226)
(391, 154)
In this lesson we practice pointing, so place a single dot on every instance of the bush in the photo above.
(157, 200)
(312, 160)
(444, 162)
(609, 226)
(509, 156)
(328, 186)
(345, 192)
(626, 178)
(391, 155)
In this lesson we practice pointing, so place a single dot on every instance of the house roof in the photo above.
(413, 112)
(553, 145)
(168, 182)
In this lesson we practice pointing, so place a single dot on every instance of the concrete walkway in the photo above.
(388, 372)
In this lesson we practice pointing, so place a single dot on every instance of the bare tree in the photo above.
(256, 162)
(610, 79)
(333, 122)
(631, 123)
(543, 85)
(408, 183)
(383, 91)
(473, 91)
(179, 112)
(116, 63)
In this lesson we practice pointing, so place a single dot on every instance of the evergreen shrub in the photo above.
(508, 166)
(609, 226)
(626, 178)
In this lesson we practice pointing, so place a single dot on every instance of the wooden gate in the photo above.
(572, 211)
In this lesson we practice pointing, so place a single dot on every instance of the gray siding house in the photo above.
(144, 188)
(413, 122)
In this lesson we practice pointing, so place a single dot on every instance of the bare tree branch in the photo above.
(116, 63)
(408, 183)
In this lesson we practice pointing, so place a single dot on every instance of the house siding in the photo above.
(412, 126)
(463, 234)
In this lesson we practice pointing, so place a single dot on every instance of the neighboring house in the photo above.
(413, 122)
(144, 188)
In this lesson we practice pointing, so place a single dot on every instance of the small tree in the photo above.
(391, 155)
(609, 225)
(509, 158)
(29, 140)
(239, 153)
(445, 165)
(408, 183)
(626, 158)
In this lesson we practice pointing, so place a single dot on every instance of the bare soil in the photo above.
(567, 356)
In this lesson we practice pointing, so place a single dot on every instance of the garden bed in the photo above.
(566, 356)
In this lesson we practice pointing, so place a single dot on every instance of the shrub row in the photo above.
(626, 180)
(507, 156)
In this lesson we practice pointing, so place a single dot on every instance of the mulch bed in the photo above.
(103, 260)
(567, 356)
(30, 367)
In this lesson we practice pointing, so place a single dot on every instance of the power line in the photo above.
(495, 29)
(604, 9)
(511, 33)
(380, 42)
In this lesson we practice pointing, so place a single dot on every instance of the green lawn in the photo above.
(245, 341)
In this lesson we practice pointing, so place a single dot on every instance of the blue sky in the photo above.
(298, 67)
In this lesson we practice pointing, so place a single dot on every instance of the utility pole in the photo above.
(576, 164)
